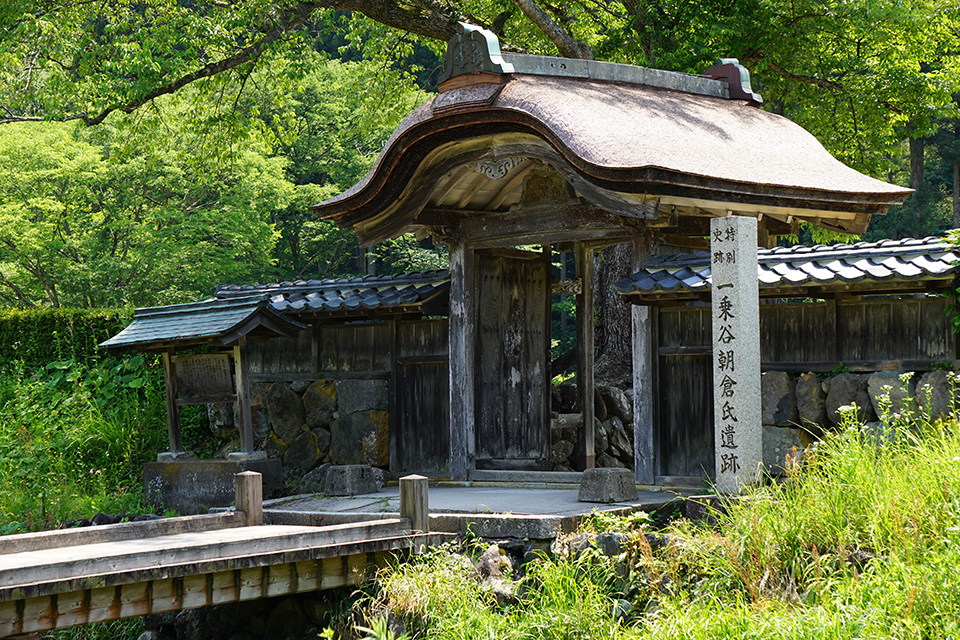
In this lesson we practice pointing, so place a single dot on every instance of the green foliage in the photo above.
(126, 629)
(74, 438)
(112, 217)
(35, 337)
(837, 370)
(862, 540)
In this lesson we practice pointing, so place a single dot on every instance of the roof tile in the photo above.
(907, 259)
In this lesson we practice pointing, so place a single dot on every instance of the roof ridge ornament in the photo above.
(737, 77)
(473, 50)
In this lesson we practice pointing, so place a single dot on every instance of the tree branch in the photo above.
(567, 45)
(826, 84)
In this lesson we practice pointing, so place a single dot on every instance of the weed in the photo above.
(74, 438)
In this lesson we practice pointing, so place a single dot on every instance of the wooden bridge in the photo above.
(64, 578)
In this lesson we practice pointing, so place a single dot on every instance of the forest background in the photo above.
(152, 150)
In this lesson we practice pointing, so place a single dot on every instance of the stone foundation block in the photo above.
(937, 393)
(193, 486)
(890, 394)
(607, 485)
(350, 480)
(778, 400)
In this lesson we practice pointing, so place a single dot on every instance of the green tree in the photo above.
(138, 216)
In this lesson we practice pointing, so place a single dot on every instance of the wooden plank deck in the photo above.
(58, 579)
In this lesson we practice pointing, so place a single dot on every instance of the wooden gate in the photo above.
(513, 343)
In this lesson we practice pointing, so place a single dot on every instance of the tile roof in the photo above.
(194, 321)
(863, 262)
(345, 294)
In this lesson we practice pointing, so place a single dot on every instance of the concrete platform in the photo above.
(505, 511)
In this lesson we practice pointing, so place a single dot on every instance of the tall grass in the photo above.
(73, 439)
(862, 541)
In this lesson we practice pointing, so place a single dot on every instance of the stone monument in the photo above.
(736, 351)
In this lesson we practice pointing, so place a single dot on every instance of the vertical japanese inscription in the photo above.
(736, 351)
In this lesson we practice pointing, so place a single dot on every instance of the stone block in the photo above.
(811, 403)
(362, 395)
(848, 389)
(619, 440)
(601, 441)
(299, 386)
(566, 426)
(361, 438)
(607, 485)
(220, 419)
(350, 480)
(890, 394)
(312, 481)
(617, 403)
(192, 486)
(560, 451)
(599, 406)
(320, 403)
(286, 412)
(303, 454)
(938, 394)
(608, 461)
(779, 442)
(778, 399)
(274, 446)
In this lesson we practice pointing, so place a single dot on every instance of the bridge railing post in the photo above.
(249, 496)
(413, 502)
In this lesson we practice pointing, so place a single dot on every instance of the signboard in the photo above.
(204, 378)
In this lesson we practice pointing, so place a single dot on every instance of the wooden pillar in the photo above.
(462, 350)
(173, 411)
(242, 369)
(585, 353)
(394, 418)
(414, 502)
(644, 377)
(248, 496)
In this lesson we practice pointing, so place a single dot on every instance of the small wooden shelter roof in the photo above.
(635, 142)
(270, 308)
(216, 322)
(349, 296)
(895, 266)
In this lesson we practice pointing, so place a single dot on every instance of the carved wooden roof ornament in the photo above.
(473, 50)
(737, 77)
(635, 145)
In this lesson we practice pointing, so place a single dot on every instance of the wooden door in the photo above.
(513, 341)
(684, 393)
(420, 429)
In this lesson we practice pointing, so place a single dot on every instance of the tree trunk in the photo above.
(916, 175)
(956, 192)
(613, 336)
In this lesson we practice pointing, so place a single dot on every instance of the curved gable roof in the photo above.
(667, 137)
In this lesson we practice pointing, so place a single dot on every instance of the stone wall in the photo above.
(613, 428)
(796, 409)
(306, 424)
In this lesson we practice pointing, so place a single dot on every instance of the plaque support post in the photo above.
(242, 368)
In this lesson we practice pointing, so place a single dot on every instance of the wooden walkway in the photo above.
(66, 578)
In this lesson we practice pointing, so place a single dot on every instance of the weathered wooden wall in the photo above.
(864, 335)
(420, 416)
(410, 354)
